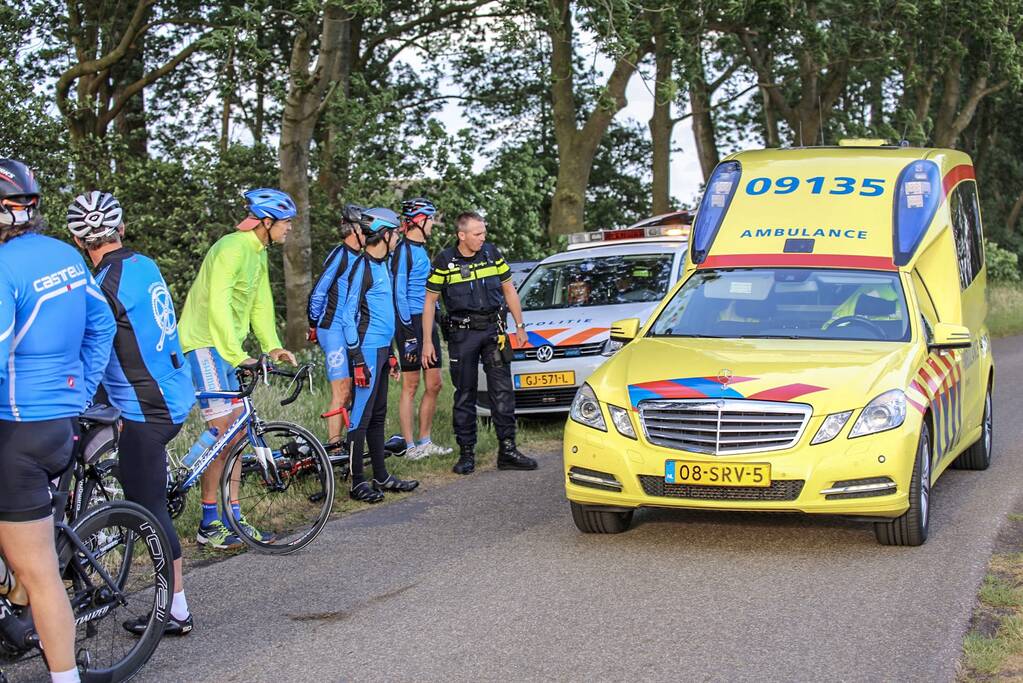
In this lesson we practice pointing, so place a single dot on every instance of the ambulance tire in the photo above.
(910, 529)
(597, 521)
(978, 456)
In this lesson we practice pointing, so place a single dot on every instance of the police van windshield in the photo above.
(787, 303)
(597, 281)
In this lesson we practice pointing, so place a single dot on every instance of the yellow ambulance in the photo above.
(825, 351)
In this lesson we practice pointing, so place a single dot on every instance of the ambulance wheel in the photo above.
(911, 528)
(978, 456)
(597, 521)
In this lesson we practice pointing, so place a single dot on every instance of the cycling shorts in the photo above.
(336, 350)
(417, 330)
(32, 455)
(210, 372)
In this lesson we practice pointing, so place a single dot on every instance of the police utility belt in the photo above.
(473, 321)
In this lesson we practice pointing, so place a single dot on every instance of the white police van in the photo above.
(570, 300)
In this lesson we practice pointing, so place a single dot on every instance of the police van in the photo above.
(570, 299)
(826, 350)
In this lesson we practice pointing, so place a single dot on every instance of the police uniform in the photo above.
(471, 289)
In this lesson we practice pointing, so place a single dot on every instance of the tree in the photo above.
(577, 144)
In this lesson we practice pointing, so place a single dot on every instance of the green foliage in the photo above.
(1002, 264)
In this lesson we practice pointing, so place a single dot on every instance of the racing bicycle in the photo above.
(279, 473)
(115, 561)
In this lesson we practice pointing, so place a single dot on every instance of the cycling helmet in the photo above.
(265, 202)
(94, 215)
(377, 220)
(420, 206)
(352, 213)
(19, 194)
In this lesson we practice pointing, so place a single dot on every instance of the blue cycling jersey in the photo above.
(368, 316)
(411, 266)
(55, 330)
(147, 377)
(331, 289)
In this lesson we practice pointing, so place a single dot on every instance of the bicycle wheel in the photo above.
(131, 547)
(286, 496)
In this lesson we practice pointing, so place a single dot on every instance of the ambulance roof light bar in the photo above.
(593, 236)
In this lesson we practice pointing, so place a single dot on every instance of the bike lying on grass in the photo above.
(116, 565)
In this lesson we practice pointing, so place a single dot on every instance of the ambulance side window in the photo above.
(966, 229)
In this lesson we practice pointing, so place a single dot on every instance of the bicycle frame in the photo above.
(242, 422)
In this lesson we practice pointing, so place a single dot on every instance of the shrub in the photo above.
(1002, 264)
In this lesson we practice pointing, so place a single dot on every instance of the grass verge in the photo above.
(993, 646)
(533, 435)
(1005, 309)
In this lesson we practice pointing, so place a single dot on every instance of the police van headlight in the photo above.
(611, 347)
(885, 412)
(586, 409)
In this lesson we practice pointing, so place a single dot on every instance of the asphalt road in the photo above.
(488, 579)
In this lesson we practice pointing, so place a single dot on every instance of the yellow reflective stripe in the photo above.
(477, 274)
(436, 278)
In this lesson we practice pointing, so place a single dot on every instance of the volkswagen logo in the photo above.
(545, 353)
(724, 377)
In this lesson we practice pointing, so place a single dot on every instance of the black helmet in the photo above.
(352, 213)
(19, 194)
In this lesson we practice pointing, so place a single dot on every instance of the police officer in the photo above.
(476, 284)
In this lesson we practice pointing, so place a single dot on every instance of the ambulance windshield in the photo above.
(787, 303)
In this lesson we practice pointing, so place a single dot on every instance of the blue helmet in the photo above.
(266, 202)
(419, 206)
(377, 220)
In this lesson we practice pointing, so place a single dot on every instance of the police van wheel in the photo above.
(978, 456)
(911, 528)
(596, 521)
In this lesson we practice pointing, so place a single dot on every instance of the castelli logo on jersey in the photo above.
(71, 382)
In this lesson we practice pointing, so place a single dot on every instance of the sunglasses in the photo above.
(19, 204)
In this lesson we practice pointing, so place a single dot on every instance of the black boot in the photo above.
(466, 460)
(509, 458)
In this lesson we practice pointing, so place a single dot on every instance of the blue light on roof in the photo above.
(716, 199)
(918, 193)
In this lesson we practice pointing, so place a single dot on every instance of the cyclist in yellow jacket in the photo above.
(230, 295)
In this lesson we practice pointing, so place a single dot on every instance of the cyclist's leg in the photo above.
(362, 413)
(410, 370)
(377, 409)
(334, 348)
(142, 457)
(428, 406)
(31, 455)
(212, 373)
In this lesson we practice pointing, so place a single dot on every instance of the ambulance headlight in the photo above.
(622, 421)
(611, 347)
(885, 412)
(586, 409)
(831, 426)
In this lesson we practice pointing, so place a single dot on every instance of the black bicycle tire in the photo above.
(324, 516)
(135, 518)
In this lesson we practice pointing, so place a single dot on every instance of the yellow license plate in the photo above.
(717, 473)
(538, 380)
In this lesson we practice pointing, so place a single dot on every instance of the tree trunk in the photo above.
(569, 195)
(661, 126)
(704, 133)
(225, 112)
(771, 136)
(1017, 208)
(308, 91)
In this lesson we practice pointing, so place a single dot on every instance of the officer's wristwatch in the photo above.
(520, 326)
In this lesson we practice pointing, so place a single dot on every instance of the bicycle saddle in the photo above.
(101, 414)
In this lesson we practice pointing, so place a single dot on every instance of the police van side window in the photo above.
(967, 231)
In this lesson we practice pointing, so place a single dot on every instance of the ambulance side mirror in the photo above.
(947, 337)
(624, 331)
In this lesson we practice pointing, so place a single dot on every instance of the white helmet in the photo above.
(94, 215)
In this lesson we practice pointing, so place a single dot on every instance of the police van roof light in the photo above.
(628, 234)
(918, 193)
(716, 199)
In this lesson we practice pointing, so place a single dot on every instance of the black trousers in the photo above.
(142, 464)
(465, 349)
(369, 416)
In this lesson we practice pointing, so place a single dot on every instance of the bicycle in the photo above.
(281, 471)
(114, 561)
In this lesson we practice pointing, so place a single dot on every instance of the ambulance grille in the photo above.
(723, 426)
(782, 489)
